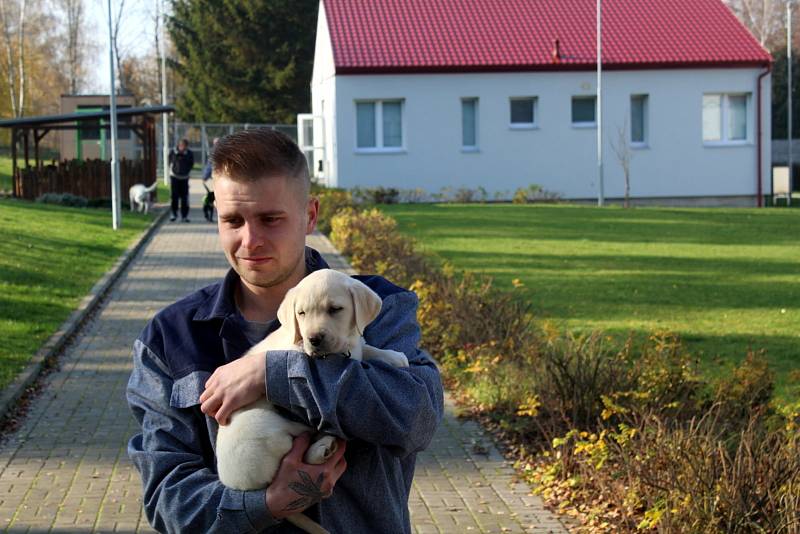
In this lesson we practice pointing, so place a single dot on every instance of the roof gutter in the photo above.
(759, 144)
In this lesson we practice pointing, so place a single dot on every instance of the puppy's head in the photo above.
(328, 312)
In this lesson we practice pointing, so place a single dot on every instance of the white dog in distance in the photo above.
(139, 196)
(326, 313)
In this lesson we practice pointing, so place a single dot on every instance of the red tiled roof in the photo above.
(373, 36)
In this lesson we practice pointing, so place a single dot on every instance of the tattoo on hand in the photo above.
(310, 492)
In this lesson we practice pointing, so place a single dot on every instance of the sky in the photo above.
(136, 35)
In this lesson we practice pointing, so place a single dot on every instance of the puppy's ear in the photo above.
(287, 317)
(366, 304)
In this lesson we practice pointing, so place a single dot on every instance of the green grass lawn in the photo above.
(5, 173)
(725, 279)
(50, 257)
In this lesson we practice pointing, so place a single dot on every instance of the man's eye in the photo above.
(334, 309)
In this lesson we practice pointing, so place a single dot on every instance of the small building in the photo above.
(502, 94)
(95, 143)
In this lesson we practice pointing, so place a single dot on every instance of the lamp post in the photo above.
(600, 196)
(164, 119)
(116, 212)
(789, 97)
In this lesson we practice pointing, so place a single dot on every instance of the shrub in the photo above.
(376, 195)
(631, 438)
(412, 196)
(534, 193)
(331, 201)
(63, 199)
(371, 241)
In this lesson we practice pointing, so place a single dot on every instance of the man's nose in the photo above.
(251, 237)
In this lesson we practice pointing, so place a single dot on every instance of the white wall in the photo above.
(557, 156)
(323, 101)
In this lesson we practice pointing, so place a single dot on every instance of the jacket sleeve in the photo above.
(398, 408)
(181, 492)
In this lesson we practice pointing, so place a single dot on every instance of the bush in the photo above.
(331, 201)
(63, 199)
(534, 193)
(376, 195)
(630, 438)
(371, 241)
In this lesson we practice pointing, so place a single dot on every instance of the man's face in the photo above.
(262, 228)
(181, 146)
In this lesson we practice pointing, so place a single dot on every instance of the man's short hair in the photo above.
(250, 155)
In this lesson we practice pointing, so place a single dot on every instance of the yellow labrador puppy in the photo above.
(326, 313)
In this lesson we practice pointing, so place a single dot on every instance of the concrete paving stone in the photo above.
(69, 453)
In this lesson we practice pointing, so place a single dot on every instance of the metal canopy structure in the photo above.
(27, 129)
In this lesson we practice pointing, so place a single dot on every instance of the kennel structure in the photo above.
(89, 178)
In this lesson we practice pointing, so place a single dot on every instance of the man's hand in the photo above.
(233, 386)
(298, 485)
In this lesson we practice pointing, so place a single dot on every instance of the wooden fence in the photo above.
(86, 178)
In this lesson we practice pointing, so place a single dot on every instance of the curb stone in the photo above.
(11, 394)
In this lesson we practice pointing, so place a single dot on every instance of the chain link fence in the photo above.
(200, 136)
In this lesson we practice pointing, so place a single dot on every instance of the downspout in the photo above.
(760, 198)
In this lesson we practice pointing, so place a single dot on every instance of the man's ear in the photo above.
(366, 304)
(312, 211)
(287, 317)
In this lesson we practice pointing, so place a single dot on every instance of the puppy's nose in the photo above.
(317, 339)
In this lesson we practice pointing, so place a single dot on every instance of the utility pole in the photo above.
(601, 194)
(789, 97)
(164, 118)
(116, 212)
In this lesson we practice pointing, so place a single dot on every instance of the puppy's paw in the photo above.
(397, 359)
(321, 450)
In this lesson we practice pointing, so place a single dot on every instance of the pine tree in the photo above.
(243, 60)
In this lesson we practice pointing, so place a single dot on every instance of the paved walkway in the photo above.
(66, 470)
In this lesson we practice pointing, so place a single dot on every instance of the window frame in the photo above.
(535, 109)
(379, 147)
(583, 124)
(724, 119)
(645, 141)
(476, 124)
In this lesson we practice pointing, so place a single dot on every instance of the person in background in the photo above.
(181, 161)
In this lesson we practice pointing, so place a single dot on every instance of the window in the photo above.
(469, 123)
(379, 125)
(91, 130)
(638, 119)
(725, 117)
(583, 110)
(523, 112)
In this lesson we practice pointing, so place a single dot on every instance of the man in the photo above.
(181, 162)
(382, 415)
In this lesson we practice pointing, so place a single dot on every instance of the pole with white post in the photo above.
(600, 197)
(789, 96)
(115, 196)
(164, 118)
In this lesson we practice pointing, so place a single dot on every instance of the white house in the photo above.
(501, 94)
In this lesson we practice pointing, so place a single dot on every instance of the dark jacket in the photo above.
(386, 414)
(181, 163)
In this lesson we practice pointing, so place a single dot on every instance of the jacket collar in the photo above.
(221, 304)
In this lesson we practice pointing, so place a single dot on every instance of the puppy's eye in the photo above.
(334, 310)
(301, 313)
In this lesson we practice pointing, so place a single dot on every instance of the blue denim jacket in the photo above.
(386, 414)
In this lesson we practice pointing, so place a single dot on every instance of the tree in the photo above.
(622, 149)
(74, 42)
(14, 52)
(140, 76)
(764, 18)
(246, 61)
